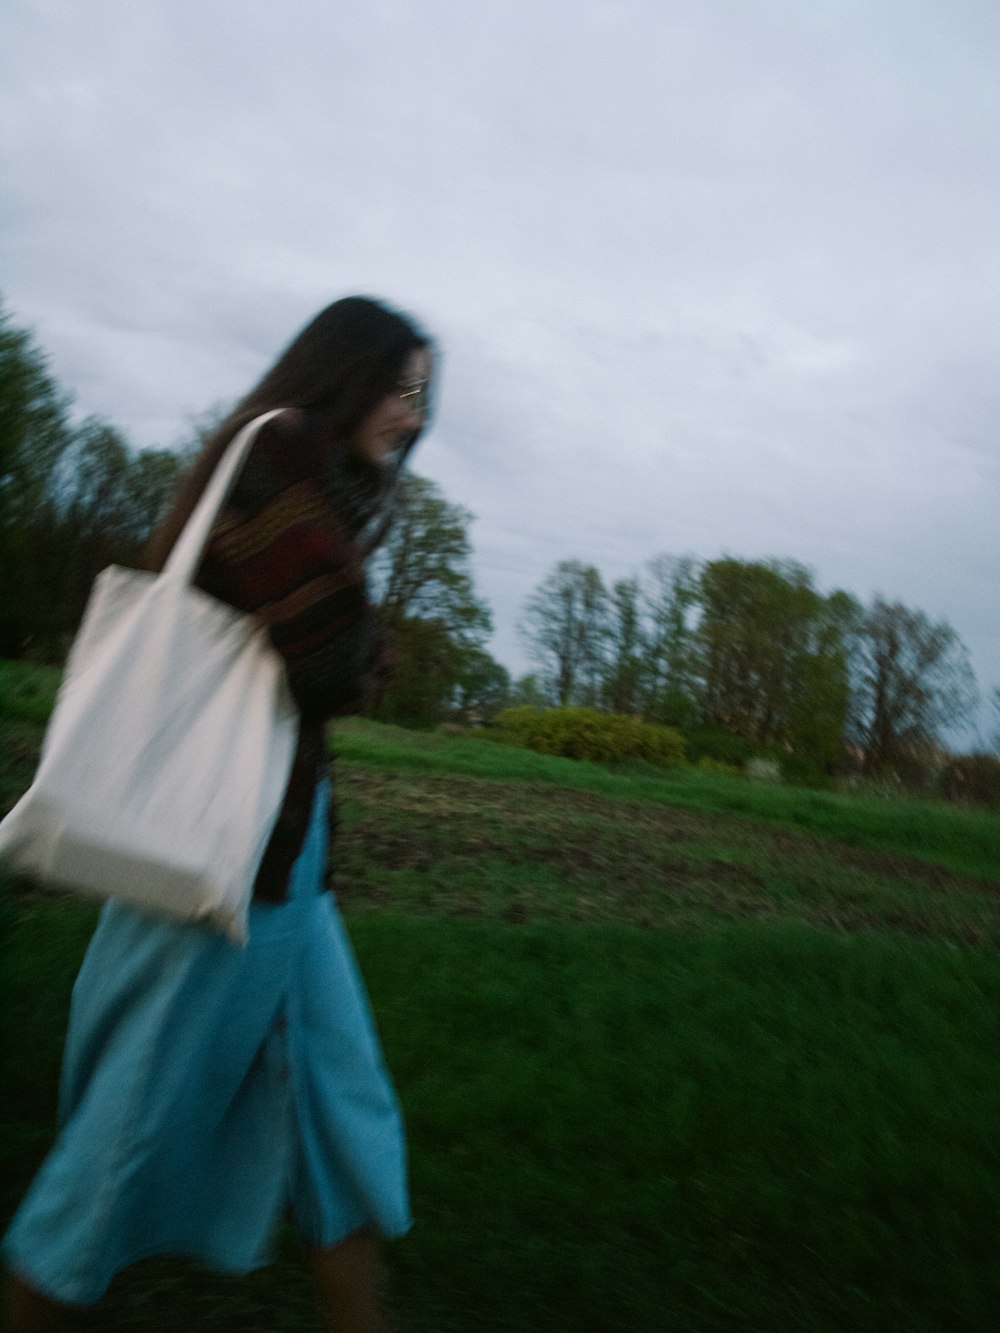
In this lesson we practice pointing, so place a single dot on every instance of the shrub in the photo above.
(712, 743)
(804, 770)
(27, 691)
(518, 720)
(585, 733)
(706, 764)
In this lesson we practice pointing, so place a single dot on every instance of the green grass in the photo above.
(661, 1135)
(962, 840)
(518, 852)
(758, 1127)
(677, 1054)
(27, 691)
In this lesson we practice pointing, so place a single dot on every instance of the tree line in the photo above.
(743, 657)
(76, 497)
(73, 498)
(750, 657)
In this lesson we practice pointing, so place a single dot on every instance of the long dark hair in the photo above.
(340, 366)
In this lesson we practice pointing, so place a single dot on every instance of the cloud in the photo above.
(715, 278)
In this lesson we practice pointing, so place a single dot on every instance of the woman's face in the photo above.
(392, 421)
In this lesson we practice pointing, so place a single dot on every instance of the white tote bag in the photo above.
(168, 752)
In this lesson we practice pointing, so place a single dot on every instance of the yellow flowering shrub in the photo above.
(586, 733)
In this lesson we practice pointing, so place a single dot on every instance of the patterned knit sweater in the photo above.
(282, 549)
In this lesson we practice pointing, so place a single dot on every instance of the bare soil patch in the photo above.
(532, 851)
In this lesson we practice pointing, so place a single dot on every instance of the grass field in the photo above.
(676, 1053)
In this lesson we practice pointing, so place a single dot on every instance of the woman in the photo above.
(206, 1089)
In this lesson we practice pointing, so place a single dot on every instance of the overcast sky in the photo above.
(709, 276)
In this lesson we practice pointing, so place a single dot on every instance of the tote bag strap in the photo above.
(185, 557)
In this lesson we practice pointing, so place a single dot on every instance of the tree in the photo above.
(424, 584)
(482, 686)
(34, 430)
(750, 631)
(526, 691)
(565, 627)
(626, 648)
(821, 700)
(108, 502)
(914, 681)
(423, 568)
(774, 657)
(671, 666)
(72, 500)
(34, 435)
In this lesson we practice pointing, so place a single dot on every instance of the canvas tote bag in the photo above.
(169, 749)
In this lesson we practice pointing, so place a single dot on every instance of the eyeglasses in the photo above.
(415, 394)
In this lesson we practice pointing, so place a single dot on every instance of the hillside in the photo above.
(675, 1053)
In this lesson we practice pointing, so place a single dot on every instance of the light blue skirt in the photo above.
(207, 1090)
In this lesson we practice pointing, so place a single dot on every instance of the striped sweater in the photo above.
(281, 548)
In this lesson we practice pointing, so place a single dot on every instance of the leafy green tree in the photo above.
(422, 683)
(819, 708)
(774, 657)
(527, 692)
(34, 435)
(423, 581)
(565, 627)
(914, 681)
(752, 613)
(108, 505)
(423, 569)
(626, 648)
(34, 430)
(72, 500)
(671, 605)
(482, 686)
